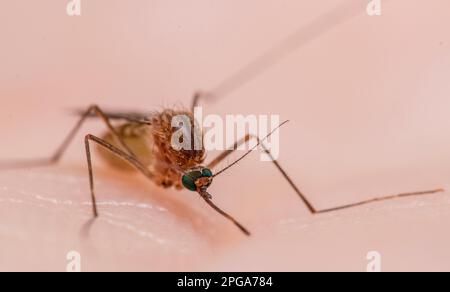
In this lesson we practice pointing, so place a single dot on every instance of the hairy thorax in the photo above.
(152, 145)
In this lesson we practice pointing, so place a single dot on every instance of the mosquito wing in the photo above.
(128, 116)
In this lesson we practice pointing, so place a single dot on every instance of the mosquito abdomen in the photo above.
(139, 140)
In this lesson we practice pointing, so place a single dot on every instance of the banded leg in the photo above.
(308, 204)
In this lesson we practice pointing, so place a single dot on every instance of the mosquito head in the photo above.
(198, 179)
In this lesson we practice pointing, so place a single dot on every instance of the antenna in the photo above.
(251, 150)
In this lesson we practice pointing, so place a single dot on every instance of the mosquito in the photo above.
(143, 141)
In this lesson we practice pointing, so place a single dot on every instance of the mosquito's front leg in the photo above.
(120, 153)
(207, 197)
(308, 204)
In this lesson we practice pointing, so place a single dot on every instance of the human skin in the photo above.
(368, 108)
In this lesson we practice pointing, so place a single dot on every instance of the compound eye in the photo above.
(189, 183)
(207, 172)
(189, 180)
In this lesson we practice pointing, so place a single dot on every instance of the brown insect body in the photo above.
(151, 144)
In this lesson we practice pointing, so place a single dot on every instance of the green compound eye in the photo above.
(207, 173)
(189, 183)
(190, 178)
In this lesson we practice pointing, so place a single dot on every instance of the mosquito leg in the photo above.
(380, 199)
(120, 153)
(299, 38)
(207, 199)
(202, 95)
(94, 109)
(198, 96)
(308, 204)
(247, 138)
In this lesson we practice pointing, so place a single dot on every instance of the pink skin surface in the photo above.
(368, 104)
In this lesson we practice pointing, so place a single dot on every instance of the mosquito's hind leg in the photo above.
(94, 109)
(308, 204)
(120, 153)
(380, 199)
